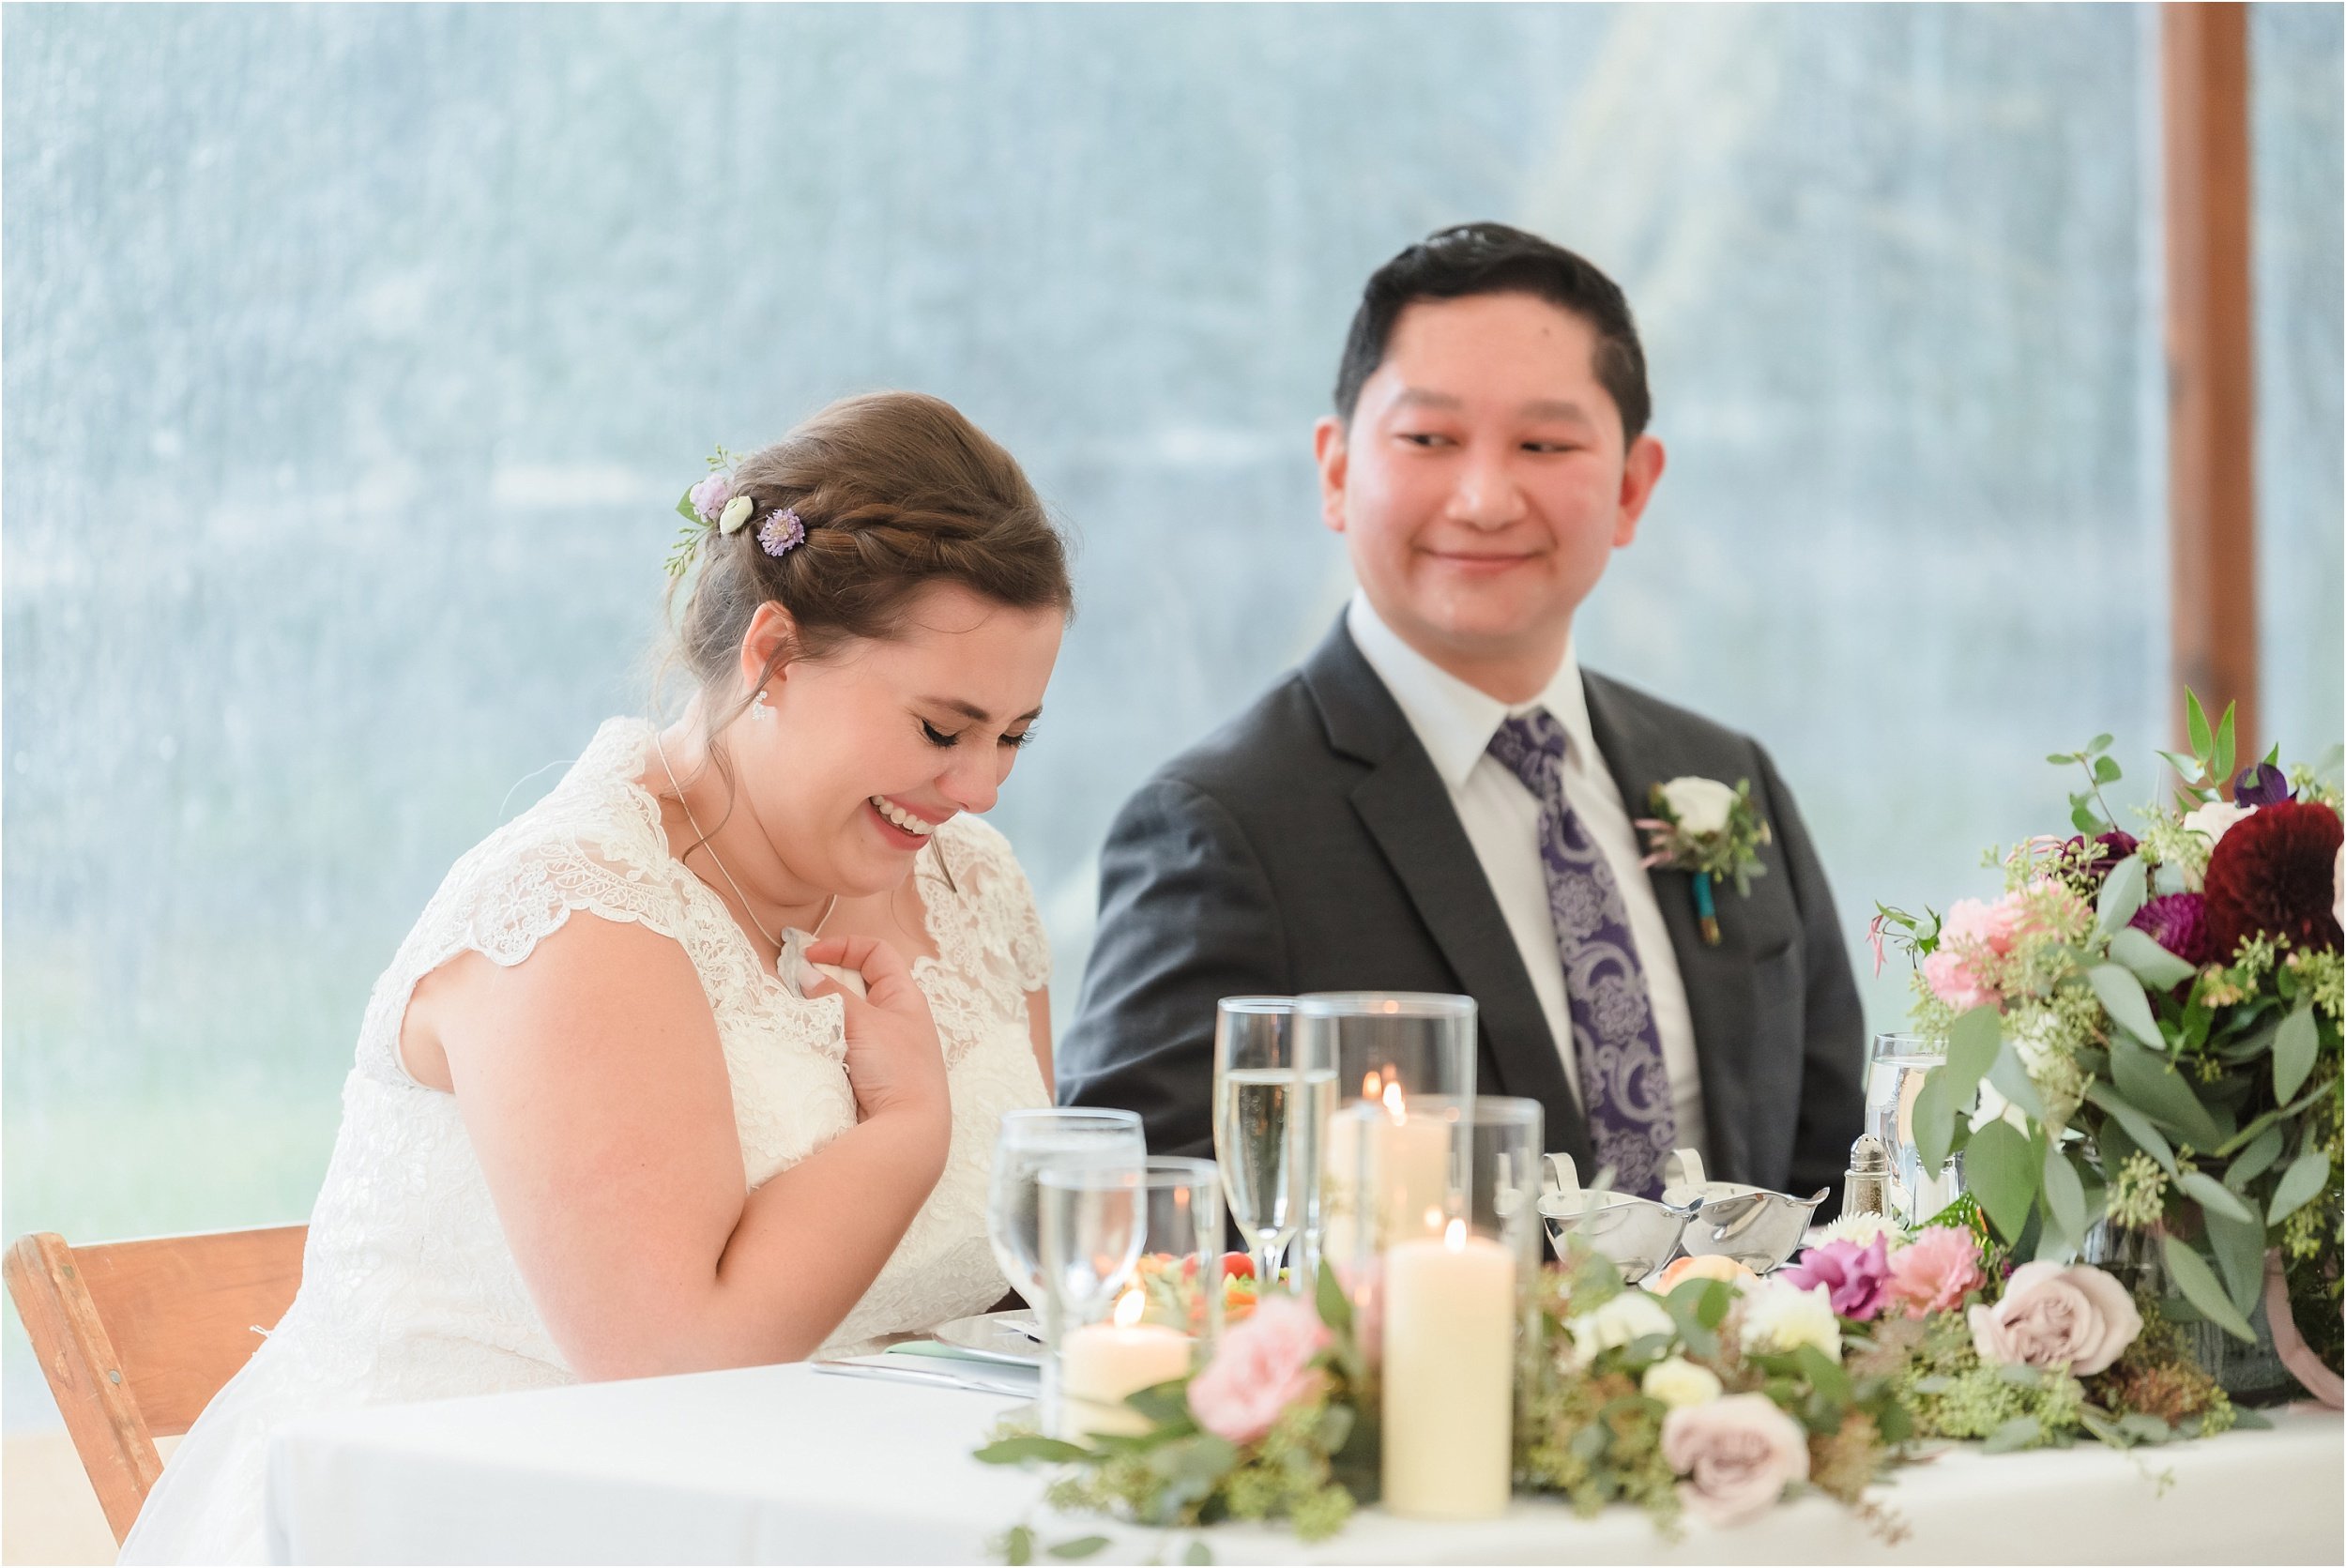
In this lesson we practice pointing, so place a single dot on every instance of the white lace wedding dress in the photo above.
(408, 1290)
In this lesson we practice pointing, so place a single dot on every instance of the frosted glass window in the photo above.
(353, 358)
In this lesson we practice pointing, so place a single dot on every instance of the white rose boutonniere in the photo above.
(1702, 826)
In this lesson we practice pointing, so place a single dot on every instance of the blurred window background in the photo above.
(353, 357)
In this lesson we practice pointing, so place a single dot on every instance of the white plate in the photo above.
(1009, 1338)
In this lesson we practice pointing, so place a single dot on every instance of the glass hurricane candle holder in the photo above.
(1409, 1057)
(1132, 1286)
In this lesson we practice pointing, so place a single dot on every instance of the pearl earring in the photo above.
(761, 707)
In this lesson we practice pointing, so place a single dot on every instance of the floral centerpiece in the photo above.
(2143, 1040)
(1715, 1393)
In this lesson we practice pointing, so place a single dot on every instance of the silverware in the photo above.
(923, 1374)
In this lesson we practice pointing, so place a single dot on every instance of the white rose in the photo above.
(1630, 1316)
(1994, 1106)
(1679, 1382)
(1780, 1316)
(2338, 887)
(2213, 821)
(1700, 805)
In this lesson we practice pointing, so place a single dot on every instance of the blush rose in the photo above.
(2076, 1316)
(1264, 1365)
(1737, 1455)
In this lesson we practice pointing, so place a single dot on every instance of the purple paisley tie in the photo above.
(1624, 1087)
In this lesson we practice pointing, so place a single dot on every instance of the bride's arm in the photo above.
(1039, 1025)
(591, 1081)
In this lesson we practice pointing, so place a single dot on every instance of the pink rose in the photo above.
(2051, 1314)
(710, 495)
(1972, 934)
(1934, 1272)
(1853, 1276)
(1736, 1453)
(1262, 1366)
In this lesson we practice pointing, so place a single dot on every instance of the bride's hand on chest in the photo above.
(894, 1062)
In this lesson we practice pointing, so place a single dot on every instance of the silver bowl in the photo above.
(1636, 1234)
(1752, 1225)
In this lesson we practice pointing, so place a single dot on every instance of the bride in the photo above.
(607, 1119)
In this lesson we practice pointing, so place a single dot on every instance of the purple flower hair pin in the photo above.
(781, 532)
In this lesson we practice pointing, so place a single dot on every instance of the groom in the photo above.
(1442, 799)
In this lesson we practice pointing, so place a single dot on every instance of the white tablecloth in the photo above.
(781, 1465)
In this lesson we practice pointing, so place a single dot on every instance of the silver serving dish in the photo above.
(1755, 1227)
(1636, 1234)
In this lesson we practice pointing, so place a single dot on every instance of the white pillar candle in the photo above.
(1101, 1362)
(1449, 1377)
(1410, 1164)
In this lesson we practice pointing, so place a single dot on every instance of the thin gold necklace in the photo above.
(771, 940)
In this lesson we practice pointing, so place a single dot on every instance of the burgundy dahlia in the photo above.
(2178, 923)
(2271, 876)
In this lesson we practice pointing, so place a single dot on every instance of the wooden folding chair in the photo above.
(135, 1337)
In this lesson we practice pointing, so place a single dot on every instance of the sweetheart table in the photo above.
(782, 1464)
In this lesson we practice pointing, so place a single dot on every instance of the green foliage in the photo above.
(1731, 854)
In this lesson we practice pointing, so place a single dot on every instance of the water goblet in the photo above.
(1028, 1142)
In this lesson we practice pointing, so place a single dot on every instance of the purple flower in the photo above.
(2261, 783)
(1855, 1276)
(2178, 923)
(2108, 851)
(781, 532)
(710, 495)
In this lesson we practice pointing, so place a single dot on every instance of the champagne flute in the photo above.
(1030, 1142)
(1271, 1113)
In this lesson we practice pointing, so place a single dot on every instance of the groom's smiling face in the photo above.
(1484, 483)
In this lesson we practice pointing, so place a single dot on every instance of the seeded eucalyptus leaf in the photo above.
(1971, 1041)
(2294, 1050)
(2099, 744)
(1018, 1451)
(2000, 1168)
(2122, 892)
(2201, 1288)
(2214, 1196)
(1019, 1546)
(1335, 1311)
(2121, 995)
(2106, 769)
(2150, 963)
(2064, 1193)
(2136, 1126)
(1934, 1117)
(2255, 1160)
(1082, 1546)
(2299, 1184)
(2239, 1249)
(2148, 1428)
(2020, 1432)
(2153, 1087)
(2012, 1081)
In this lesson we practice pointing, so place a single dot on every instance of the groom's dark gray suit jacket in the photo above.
(1310, 845)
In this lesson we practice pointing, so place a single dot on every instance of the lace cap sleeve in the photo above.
(994, 889)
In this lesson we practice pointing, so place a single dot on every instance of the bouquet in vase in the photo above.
(2142, 1043)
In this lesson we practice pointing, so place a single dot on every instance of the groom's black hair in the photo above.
(1492, 258)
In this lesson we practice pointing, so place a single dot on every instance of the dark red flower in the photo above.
(2178, 923)
(2270, 877)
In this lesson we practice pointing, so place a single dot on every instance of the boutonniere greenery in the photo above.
(1709, 831)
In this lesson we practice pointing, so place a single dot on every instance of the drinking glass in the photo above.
(1131, 1287)
(1028, 1142)
(1895, 1065)
(1270, 1100)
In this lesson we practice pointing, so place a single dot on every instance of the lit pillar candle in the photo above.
(1101, 1362)
(1449, 1376)
(1410, 1164)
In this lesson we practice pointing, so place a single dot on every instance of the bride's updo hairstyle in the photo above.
(895, 491)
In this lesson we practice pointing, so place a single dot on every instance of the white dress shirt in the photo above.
(1455, 722)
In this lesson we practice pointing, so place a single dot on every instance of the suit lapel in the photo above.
(1718, 979)
(1402, 802)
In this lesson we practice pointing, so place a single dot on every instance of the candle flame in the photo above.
(1370, 1082)
(1454, 1238)
(1433, 1218)
(1130, 1305)
(1393, 1099)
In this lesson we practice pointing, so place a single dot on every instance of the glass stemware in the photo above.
(1271, 1103)
(1030, 1142)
